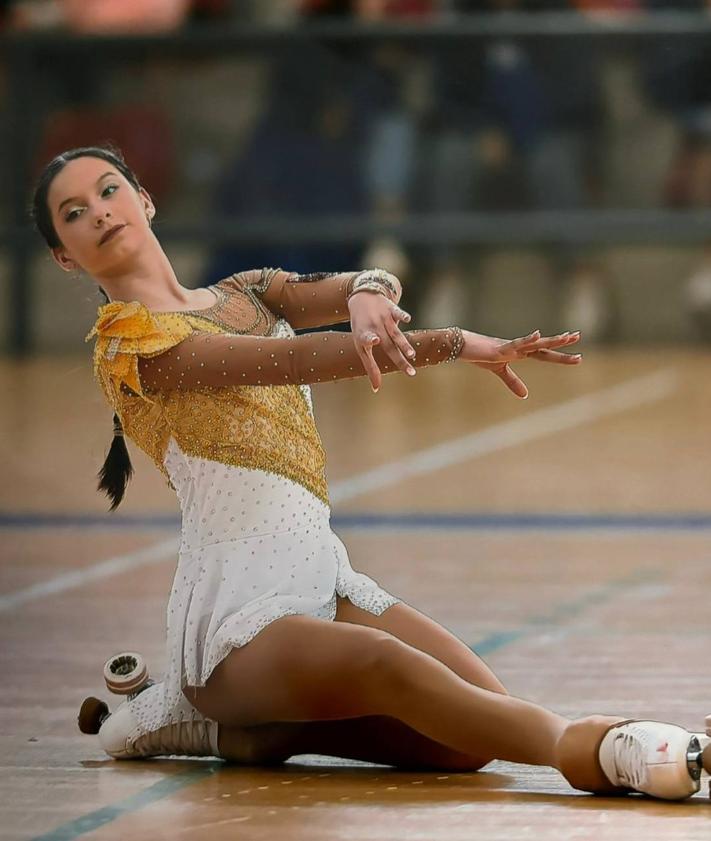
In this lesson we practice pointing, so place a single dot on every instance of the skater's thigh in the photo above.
(302, 669)
(418, 630)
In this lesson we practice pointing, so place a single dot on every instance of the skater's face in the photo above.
(101, 219)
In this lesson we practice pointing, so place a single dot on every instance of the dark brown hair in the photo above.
(117, 468)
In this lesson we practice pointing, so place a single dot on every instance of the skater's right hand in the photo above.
(495, 355)
(375, 321)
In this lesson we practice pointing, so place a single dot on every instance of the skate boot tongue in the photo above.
(650, 757)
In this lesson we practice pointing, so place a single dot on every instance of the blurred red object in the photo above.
(125, 16)
(142, 133)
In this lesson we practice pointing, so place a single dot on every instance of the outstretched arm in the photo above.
(204, 360)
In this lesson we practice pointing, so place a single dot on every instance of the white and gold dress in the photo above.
(219, 399)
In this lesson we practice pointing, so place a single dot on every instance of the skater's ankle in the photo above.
(577, 754)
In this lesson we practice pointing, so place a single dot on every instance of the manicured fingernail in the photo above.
(411, 353)
(411, 372)
(375, 390)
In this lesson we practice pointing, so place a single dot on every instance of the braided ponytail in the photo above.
(117, 469)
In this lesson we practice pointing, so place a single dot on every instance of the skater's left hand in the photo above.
(528, 347)
(375, 321)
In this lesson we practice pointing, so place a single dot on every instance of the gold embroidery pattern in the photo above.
(257, 427)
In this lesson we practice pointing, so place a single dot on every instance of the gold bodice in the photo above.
(260, 427)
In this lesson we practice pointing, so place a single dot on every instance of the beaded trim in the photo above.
(221, 298)
(211, 313)
(369, 286)
(457, 344)
(373, 280)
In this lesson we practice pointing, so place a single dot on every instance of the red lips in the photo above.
(110, 232)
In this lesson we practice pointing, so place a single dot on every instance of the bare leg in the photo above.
(418, 630)
(371, 738)
(304, 669)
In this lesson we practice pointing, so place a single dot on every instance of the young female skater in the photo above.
(275, 645)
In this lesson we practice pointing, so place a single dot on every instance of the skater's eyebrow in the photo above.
(74, 198)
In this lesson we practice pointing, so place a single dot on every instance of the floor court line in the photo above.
(107, 814)
(530, 426)
(678, 521)
(423, 521)
(569, 414)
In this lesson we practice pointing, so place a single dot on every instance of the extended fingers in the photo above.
(551, 342)
(528, 345)
(513, 382)
(402, 352)
(522, 342)
(398, 337)
(555, 356)
(364, 346)
(399, 314)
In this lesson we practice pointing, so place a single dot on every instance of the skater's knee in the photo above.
(390, 664)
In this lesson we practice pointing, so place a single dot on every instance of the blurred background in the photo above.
(518, 163)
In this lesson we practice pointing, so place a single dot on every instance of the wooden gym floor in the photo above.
(565, 538)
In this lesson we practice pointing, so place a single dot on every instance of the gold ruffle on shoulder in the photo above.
(126, 330)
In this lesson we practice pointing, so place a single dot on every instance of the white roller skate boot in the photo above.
(655, 758)
(188, 734)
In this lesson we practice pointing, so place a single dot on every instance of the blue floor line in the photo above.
(94, 820)
(663, 521)
(564, 610)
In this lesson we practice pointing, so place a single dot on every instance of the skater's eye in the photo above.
(108, 190)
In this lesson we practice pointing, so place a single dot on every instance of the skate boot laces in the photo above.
(189, 734)
(630, 751)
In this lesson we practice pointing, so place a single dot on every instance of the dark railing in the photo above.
(21, 55)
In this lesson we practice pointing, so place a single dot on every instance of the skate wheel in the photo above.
(706, 758)
(92, 714)
(125, 673)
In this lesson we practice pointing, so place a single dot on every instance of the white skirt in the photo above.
(254, 547)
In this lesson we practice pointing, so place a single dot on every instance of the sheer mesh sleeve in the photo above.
(220, 359)
(304, 300)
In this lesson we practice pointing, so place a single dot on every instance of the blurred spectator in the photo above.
(697, 296)
(389, 81)
(127, 16)
(514, 125)
(303, 158)
(678, 80)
